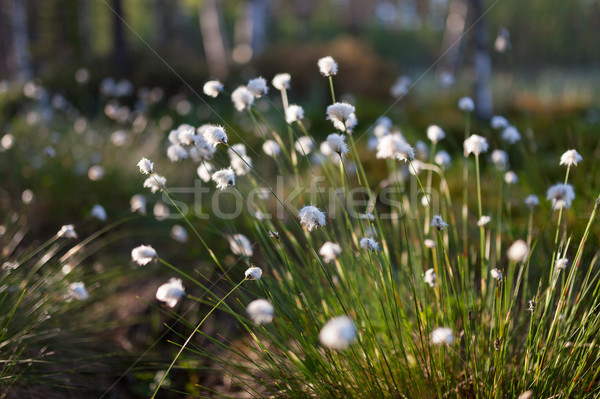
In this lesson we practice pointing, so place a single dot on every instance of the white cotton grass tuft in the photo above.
(327, 66)
(561, 263)
(242, 98)
(342, 116)
(304, 145)
(500, 159)
(143, 255)
(214, 135)
(421, 150)
(475, 145)
(240, 245)
(337, 143)
(330, 251)
(430, 278)
(510, 134)
(146, 167)
(499, 122)
(205, 171)
(401, 87)
(155, 183)
(294, 113)
(177, 153)
(67, 231)
(258, 87)
(98, 212)
(571, 157)
(271, 148)
(160, 211)
(78, 291)
(438, 223)
(241, 165)
(443, 159)
(429, 243)
(137, 203)
(561, 195)
(518, 251)
(96, 172)
(224, 178)
(338, 333)
(393, 146)
(281, 81)
(312, 217)
(179, 233)
(466, 104)
(253, 273)
(212, 88)
(496, 274)
(442, 335)
(435, 134)
(532, 201)
(170, 292)
(369, 244)
(511, 177)
(260, 311)
(483, 220)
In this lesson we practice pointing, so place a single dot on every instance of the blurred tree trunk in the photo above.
(161, 22)
(14, 44)
(451, 42)
(251, 30)
(483, 62)
(84, 21)
(119, 45)
(213, 39)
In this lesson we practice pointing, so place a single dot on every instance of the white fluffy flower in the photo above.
(570, 157)
(500, 159)
(483, 220)
(475, 145)
(281, 81)
(327, 66)
(212, 88)
(271, 148)
(369, 244)
(330, 251)
(532, 201)
(253, 273)
(304, 145)
(429, 243)
(342, 116)
(155, 183)
(77, 290)
(143, 254)
(205, 171)
(242, 98)
(499, 122)
(442, 158)
(438, 223)
(496, 274)
(258, 87)
(393, 146)
(338, 333)
(160, 210)
(561, 263)
(466, 104)
(68, 231)
(170, 292)
(430, 278)
(214, 135)
(146, 167)
(435, 133)
(337, 143)
(137, 203)
(98, 212)
(224, 178)
(518, 251)
(401, 87)
(294, 113)
(241, 165)
(561, 195)
(177, 153)
(240, 245)
(511, 177)
(510, 134)
(312, 217)
(260, 311)
(442, 335)
(421, 149)
(178, 233)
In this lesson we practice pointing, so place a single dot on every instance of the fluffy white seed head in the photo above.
(330, 251)
(68, 231)
(214, 135)
(429, 243)
(532, 201)
(518, 251)
(312, 217)
(170, 292)
(499, 122)
(260, 311)
(155, 183)
(496, 274)
(442, 335)
(281, 81)
(77, 290)
(510, 134)
(438, 223)
(224, 178)
(271, 148)
(342, 115)
(177, 153)
(511, 177)
(327, 66)
(500, 159)
(338, 333)
(570, 157)
(466, 104)
(179, 233)
(369, 244)
(205, 171)
(294, 113)
(137, 203)
(483, 220)
(561, 195)
(258, 87)
(401, 87)
(430, 278)
(242, 98)
(253, 273)
(304, 145)
(393, 146)
(561, 263)
(143, 255)
(435, 133)
(443, 159)
(240, 245)
(475, 145)
(146, 167)
(241, 165)
(98, 212)
(212, 88)
(337, 143)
